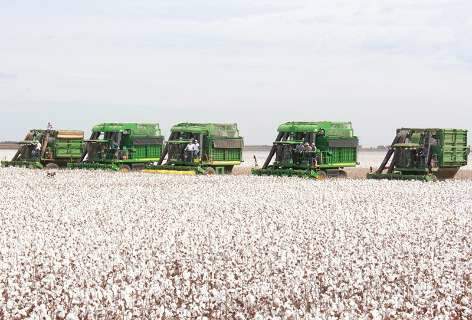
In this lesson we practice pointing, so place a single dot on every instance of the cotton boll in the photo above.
(375, 314)
(147, 246)
(72, 316)
(60, 312)
(258, 316)
(40, 313)
(251, 300)
(289, 315)
(277, 302)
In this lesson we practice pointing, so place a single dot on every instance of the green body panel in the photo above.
(223, 154)
(212, 130)
(59, 147)
(334, 142)
(23, 164)
(332, 129)
(146, 153)
(120, 144)
(134, 129)
(68, 149)
(447, 151)
(453, 151)
(338, 157)
(337, 165)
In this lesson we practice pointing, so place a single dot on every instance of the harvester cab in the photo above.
(424, 154)
(184, 149)
(30, 148)
(298, 150)
(121, 146)
(49, 149)
(106, 146)
(311, 149)
(200, 148)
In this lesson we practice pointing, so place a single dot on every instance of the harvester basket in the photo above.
(70, 134)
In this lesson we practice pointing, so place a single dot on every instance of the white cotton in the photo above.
(137, 246)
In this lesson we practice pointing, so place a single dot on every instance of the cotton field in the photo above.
(103, 245)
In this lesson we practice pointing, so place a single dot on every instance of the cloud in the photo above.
(7, 76)
(264, 61)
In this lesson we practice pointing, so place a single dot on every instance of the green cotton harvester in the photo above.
(311, 149)
(200, 148)
(424, 154)
(50, 149)
(121, 146)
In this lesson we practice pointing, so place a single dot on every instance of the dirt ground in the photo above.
(358, 173)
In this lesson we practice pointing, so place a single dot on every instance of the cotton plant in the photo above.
(93, 244)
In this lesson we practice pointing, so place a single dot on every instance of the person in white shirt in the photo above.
(189, 151)
(196, 148)
(37, 149)
(189, 147)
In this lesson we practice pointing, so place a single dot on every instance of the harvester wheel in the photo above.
(210, 171)
(51, 166)
(229, 169)
(322, 175)
(342, 174)
(125, 168)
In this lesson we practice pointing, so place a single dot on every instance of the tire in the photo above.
(51, 166)
(342, 174)
(125, 168)
(322, 175)
(229, 169)
(138, 167)
(210, 171)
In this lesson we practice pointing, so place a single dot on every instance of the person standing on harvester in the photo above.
(188, 151)
(196, 148)
(37, 150)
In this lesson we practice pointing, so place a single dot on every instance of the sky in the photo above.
(381, 64)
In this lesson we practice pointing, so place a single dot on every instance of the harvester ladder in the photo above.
(166, 149)
(45, 144)
(20, 149)
(94, 136)
(390, 151)
(272, 150)
(400, 137)
(428, 155)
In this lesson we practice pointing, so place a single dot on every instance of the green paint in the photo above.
(336, 148)
(448, 152)
(220, 146)
(211, 130)
(118, 144)
(332, 129)
(59, 148)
